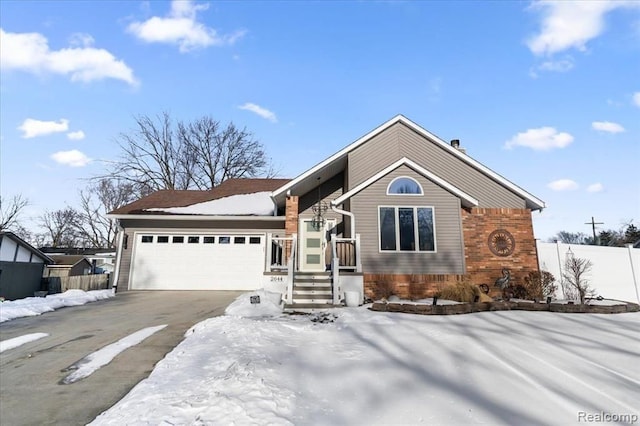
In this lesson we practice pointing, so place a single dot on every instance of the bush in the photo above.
(384, 287)
(462, 291)
(540, 284)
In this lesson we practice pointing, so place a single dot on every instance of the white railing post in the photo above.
(290, 268)
(358, 259)
(335, 279)
(267, 260)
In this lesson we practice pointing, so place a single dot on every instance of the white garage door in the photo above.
(197, 262)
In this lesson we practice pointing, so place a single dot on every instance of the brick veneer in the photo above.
(291, 215)
(482, 265)
(409, 286)
(291, 220)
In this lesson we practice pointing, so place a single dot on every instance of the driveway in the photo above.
(30, 375)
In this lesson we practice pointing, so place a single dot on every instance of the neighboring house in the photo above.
(398, 207)
(21, 267)
(68, 266)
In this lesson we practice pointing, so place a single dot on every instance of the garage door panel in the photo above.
(237, 265)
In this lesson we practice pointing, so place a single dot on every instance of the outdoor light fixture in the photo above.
(319, 209)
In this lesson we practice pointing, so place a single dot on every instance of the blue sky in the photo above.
(547, 94)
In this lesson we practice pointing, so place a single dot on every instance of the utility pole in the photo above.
(593, 224)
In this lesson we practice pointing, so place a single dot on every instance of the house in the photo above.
(68, 266)
(398, 208)
(21, 267)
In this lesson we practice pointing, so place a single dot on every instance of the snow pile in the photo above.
(256, 204)
(355, 366)
(86, 366)
(31, 306)
(5, 345)
(267, 304)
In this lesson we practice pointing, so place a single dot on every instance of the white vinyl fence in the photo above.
(615, 271)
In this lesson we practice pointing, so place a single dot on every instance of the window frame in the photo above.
(405, 194)
(416, 230)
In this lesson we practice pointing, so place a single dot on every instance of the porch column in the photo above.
(291, 220)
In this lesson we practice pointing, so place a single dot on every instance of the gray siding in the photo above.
(449, 255)
(329, 191)
(20, 279)
(400, 141)
(132, 226)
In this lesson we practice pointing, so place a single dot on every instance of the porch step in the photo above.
(306, 306)
(311, 289)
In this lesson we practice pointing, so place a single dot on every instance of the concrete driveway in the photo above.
(30, 375)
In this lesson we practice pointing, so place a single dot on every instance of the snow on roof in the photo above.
(256, 204)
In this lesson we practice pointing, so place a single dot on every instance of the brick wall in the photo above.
(482, 265)
(291, 215)
(407, 286)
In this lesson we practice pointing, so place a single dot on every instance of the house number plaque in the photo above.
(501, 242)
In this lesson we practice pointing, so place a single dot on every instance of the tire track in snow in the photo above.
(564, 402)
(547, 364)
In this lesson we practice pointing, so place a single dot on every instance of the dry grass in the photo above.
(462, 291)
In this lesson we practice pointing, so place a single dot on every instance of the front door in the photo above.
(313, 245)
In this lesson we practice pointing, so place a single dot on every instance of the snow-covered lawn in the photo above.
(353, 366)
(31, 306)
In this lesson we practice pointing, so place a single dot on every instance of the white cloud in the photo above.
(571, 24)
(540, 139)
(636, 99)
(595, 187)
(31, 128)
(262, 112)
(563, 65)
(607, 126)
(73, 158)
(181, 27)
(76, 136)
(30, 52)
(563, 185)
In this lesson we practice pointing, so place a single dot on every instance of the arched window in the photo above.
(404, 185)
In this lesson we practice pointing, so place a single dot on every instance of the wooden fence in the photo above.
(79, 282)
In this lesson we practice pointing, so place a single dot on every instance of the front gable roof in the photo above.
(338, 161)
(465, 199)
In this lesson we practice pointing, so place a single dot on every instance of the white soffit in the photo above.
(467, 200)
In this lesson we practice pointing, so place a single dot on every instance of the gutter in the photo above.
(193, 217)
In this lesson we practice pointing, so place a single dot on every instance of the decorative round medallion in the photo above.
(501, 242)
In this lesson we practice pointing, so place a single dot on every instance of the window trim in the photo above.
(407, 194)
(416, 231)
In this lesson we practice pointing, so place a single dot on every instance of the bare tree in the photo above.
(101, 197)
(10, 211)
(61, 226)
(197, 155)
(574, 273)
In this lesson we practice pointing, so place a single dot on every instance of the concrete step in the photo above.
(316, 298)
(311, 306)
(297, 289)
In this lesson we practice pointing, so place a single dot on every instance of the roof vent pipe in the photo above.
(455, 143)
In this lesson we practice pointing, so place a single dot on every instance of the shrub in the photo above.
(384, 287)
(462, 291)
(540, 284)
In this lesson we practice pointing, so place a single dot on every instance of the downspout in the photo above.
(275, 204)
(116, 274)
(346, 213)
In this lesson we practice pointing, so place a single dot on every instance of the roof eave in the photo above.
(194, 217)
